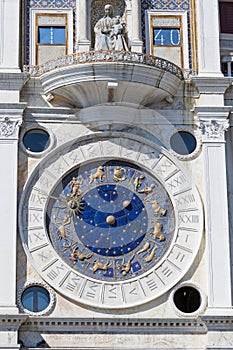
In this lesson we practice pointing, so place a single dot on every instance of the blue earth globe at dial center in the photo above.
(113, 222)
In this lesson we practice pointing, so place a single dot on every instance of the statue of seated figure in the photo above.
(109, 32)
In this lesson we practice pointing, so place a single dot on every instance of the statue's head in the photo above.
(108, 10)
(117, 19)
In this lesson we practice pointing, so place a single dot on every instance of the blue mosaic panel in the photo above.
(168, 5)
(43, 4)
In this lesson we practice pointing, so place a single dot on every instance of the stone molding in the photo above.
(211, 85)
(12, 81)
(110, 325)
(12, 322)
(197, 325)
(218, 323)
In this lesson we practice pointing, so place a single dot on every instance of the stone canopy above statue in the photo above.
(110, 32)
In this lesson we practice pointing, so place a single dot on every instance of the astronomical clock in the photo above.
(110, 221)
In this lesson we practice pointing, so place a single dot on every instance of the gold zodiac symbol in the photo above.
(147, 189)
(98, 175)
(62, 230)
(119, 174)
(157, 233)
(144, 248)
(151, 255)
(157, 209)
(99, 266)
(75, 187)
(137, 182)
(76, 255)
(125, 267)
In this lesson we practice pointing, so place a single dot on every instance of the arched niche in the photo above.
(97, 11)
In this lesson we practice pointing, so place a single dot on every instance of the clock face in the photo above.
(110, 222)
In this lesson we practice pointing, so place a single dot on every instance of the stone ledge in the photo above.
(12, 322)
(142, 326)
(218, 323)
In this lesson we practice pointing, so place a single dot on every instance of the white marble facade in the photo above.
(123, 107)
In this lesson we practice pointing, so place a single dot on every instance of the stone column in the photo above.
(136, 43)
(214, 123)
(9, 34)
(208, 38)
(10, 320)
(83, 43)
(10, 120)
(11, 78)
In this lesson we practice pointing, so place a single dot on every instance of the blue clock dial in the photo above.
(111, 220)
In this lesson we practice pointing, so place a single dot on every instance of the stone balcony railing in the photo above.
(108, 56)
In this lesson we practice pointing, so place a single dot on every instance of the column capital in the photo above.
(10, 120)
(213, 122)
(213, 130)
(9, 128)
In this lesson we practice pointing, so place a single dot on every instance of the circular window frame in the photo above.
(37, 127)
(203, 298)
(190, 130)
(44, 312)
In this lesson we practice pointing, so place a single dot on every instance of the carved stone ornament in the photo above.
(214, 129)
(8, 127)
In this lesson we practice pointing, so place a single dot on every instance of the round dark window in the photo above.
(36, 140)
(35, 299)
(183, 142)
(187, 299)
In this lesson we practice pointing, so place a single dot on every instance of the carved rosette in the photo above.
(214, 129)
(9, 128)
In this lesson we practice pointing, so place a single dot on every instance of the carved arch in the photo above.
(97, 11)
